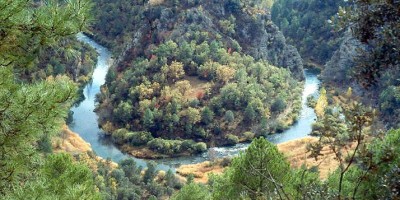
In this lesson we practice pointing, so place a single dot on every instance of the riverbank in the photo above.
(295, 151)
(71, 143)
(86, 125)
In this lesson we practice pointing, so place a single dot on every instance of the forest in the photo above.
(182, 94)
(189, 75)
(308, 25)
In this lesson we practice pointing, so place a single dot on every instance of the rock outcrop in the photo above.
(338, 68)
(253, 31)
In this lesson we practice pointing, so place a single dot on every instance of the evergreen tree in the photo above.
(207, 115)
(148, 119)
(260, 172)
(25, 28)
(58, 178)
(28, 112)
(229, 116)
(150, 172)
(192, 191)
(249, 114)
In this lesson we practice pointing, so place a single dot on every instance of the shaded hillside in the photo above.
(307, 25)
(135, 25)
(368, 58)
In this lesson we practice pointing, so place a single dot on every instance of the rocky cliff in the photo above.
(235, 25)
(338, 70)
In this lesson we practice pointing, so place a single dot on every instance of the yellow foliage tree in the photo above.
(322, 103)
(349, 93)
(174, 71)
(225, 73)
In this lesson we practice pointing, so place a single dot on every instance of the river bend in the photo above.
(85, 119)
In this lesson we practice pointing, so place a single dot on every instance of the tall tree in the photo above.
(340, 138)
(261, 171)
(29, 111)
(27, 26)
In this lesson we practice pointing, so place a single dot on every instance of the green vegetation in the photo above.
(224, 93)
(254, 174)
(127, 182)
(182, 92)
(262, 172)
(58, 178)
(191, 80)
(374, 63)
(307, 25)
(116, 20)
(66, 57)
(30, 113)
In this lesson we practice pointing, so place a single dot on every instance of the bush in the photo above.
(156, 145)
(226, 161)
(139, 138)
(229, 116)
(44, 144)
(200, 132)
(118, 136)
(188, 145)
(169, 147)
(248, 135)
(311, 102)
(281, 126)
(231, 139)
(200, 147)
(278, 106)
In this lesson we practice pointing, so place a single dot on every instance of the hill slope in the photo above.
(200, 72)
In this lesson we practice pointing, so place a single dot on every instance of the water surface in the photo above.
(85, 119)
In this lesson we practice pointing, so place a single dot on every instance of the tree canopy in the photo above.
(30, 111)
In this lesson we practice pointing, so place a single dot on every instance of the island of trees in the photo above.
(186, 82)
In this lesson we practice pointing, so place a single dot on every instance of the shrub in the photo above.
(311, 101)
(156, 144)
(231, 139)
(169, 147)
(278, 106)
(139, 138)
(200, 132)
(118, 135)
(200, 147)
(226, 161)
(248, 135)
(229, 116)
(188, 145)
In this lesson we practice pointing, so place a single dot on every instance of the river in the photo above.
(85, 119)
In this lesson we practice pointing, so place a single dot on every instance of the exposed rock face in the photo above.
(263, 40)
(255, 33)
(338, 68)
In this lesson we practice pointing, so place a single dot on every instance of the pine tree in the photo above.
(28, 112)
(148, 119)
(207, 115)
(260, 172)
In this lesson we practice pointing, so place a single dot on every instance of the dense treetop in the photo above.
(184, 74)
(32, 112)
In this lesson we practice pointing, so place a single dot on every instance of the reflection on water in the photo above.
(85, 120)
